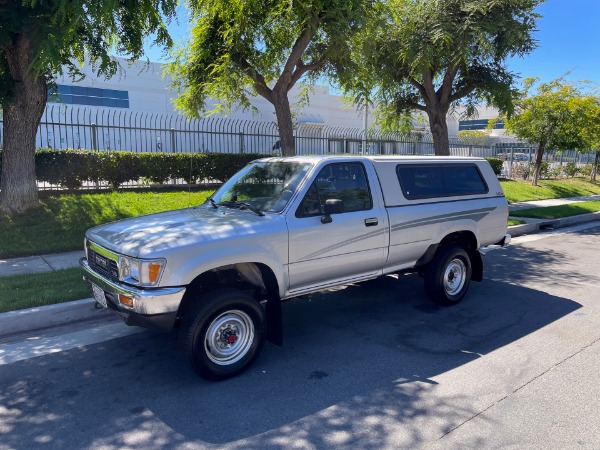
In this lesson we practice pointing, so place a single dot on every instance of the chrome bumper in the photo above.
(147, 302)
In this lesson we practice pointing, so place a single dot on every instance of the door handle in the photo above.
(371, 222)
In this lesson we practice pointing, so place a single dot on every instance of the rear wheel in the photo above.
(222, 333)
(448, 277)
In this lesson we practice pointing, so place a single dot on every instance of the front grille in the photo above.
(102, 265)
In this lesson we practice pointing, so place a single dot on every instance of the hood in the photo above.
(154, 235)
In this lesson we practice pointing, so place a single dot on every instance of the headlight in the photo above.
(85, 245)
(144, 272)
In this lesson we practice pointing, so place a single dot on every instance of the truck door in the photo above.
(352, 246)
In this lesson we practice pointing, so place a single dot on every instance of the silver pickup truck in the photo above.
(284, 227)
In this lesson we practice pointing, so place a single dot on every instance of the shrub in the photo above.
(570, 169)
(586, 170)
(496, 164)
(555, 172)
(71, 168)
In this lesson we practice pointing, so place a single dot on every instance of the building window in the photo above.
(79, 95)
(478, 125)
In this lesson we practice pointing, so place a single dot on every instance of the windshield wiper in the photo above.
(212, 202)
(242, 205)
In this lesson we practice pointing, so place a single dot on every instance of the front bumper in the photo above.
(155, 309)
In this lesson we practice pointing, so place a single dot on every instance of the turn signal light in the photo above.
(126, 301)
(154, 272)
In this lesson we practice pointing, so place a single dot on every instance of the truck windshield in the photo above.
(265, 186)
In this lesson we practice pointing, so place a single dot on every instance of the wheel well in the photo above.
(256, 278)
(465, 239)
(468, 241)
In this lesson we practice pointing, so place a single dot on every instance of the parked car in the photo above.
(284, 227)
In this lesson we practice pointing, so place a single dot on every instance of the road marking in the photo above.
(34, 347)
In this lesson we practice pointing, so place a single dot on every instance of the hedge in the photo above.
(496, 164)
(71, 168)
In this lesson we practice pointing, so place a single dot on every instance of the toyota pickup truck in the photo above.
(288, 226)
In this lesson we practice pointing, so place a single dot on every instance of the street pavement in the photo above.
(370, 366)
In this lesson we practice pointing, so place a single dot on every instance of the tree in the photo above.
(548, 119)
(38, 39)
(587, 113)
(433, 55)
(240, 48)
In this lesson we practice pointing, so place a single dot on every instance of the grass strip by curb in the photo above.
(558, 212)
(40, 289)
(522, 191)
(513, 222)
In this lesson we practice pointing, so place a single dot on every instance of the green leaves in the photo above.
(72, 168)
(431, 55)
(64, 31)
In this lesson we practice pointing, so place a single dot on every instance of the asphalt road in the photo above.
(374, 366)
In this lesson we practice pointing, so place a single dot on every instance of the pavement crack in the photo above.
(519, 388)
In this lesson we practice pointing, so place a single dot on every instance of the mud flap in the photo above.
(274, 320)
(476, 266)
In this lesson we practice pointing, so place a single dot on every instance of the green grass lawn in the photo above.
(557, 212)
(521, 191)
(31, 290)
(512, 222)
(60, 222)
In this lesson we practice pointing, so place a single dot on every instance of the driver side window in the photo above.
(341, 181)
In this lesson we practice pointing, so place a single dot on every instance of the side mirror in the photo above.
(332, 206)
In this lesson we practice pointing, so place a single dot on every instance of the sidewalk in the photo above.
(40, 264)
(551, 202)
(38, 319)
(535, 225)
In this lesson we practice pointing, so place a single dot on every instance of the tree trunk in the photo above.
(284, 122)
(539, 156)
(595, 167)
(439, 132)
(22, 114)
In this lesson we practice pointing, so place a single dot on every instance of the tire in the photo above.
(222, 333)
(448, 277)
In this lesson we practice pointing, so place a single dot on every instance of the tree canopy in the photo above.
(433, 55)
(240, 48)
(548, 118)
(37, 40)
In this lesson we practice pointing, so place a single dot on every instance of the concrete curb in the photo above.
(28, 320)
(543, 224)
(50, 316)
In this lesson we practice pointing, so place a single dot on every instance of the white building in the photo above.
(133, 110)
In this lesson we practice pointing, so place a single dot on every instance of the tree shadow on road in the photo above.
(362, 367)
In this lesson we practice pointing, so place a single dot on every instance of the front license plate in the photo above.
(99, 295)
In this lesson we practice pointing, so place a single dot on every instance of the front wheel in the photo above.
(448, 277)
(222, 333)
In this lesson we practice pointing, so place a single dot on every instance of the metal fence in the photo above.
(65, 126)
(104, 129)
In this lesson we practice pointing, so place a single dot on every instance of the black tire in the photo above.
(448, 276)
(222, 333)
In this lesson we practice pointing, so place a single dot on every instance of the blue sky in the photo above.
(568, 41)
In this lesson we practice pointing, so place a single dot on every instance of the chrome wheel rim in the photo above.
(455, 276)
(229, 337)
